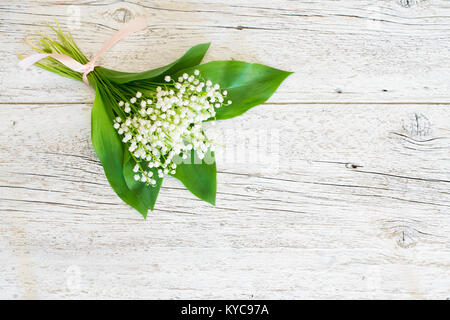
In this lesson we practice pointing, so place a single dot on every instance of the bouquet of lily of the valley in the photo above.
(148, 125)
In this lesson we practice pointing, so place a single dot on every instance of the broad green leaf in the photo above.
(248, 84)
(110, 151)
(191, 58)
(145, 193)
(199, 176)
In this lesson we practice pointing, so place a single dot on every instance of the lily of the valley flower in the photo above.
(163, 126)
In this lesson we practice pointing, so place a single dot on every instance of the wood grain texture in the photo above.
(341, 51)
(354, 202)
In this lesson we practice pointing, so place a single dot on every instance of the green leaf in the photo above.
(110, 151)
(199, 176)
(191, 58)
(248, 84)
(145, 193)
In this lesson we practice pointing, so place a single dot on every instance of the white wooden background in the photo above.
(360, 205)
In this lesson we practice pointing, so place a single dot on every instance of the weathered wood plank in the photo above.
(341, 51)
(358, 208)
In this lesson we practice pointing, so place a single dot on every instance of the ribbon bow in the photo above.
(133, 26)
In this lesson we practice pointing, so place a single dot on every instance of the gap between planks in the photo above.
(267, 103)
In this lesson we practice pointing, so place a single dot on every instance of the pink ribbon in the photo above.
(133, 26)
